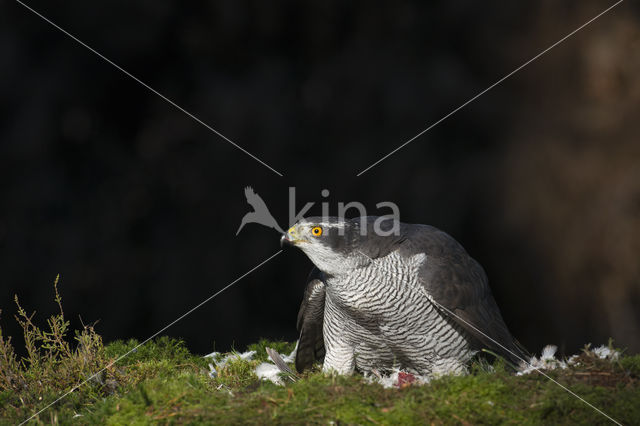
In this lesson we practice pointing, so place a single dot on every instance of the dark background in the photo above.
(136, 205)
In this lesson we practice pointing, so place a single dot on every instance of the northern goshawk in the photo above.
(378, 300)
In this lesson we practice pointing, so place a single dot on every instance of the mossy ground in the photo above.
(163, 382)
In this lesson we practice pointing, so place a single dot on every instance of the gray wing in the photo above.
(457, 282)
(310, 321)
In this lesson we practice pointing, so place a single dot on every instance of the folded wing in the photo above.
(456, 282)
(310, 322)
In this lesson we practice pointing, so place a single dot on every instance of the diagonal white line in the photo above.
(491, 87)
(148, 87)
(151, 337)
(423, 290)
(526, 362)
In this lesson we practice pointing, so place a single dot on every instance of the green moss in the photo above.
(631, 364)
(165, 383)
(237, 374)
(162, 382)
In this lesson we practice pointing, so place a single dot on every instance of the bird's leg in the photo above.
(339, 360)
(339, 356)
(339, 351)
(449, 366)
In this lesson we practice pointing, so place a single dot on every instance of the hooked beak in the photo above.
(290, 238)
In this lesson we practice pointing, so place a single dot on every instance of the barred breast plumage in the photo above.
(377, 302)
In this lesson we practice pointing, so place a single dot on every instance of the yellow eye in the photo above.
(316, 231)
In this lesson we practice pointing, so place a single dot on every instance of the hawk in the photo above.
(378, 300)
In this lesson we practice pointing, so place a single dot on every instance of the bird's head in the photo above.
(336, 245)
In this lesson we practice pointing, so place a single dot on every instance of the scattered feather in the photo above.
(548, 353)
(548, 360)
(268, 371)
(275, 370)
(292, 356)
(221, 361)
(281, 364)
(397, 379)
(605, 352)
(222, 387)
